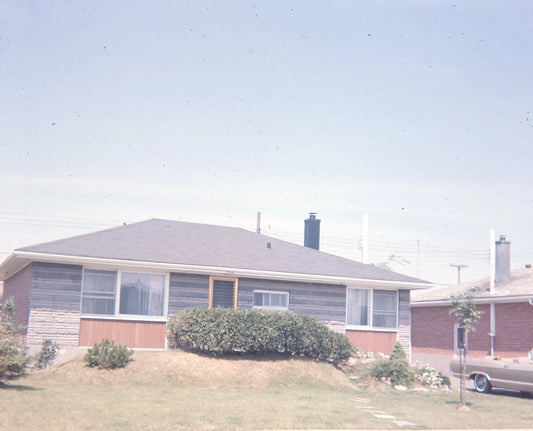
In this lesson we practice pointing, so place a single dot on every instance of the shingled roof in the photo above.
(202, 245)
(518, 287)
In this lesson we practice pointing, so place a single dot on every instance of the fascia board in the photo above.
(216, 271)
(11, 265)
(478, 301)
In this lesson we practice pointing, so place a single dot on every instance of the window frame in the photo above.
(118, 288)
(91, 293)
(270, 307)
(235, 289)
(370, 310)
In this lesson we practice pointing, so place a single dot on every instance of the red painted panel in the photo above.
(134, 334)
(372, 341)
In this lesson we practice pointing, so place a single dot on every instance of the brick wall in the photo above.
(514, 328)
(433, 330)
(18, 288)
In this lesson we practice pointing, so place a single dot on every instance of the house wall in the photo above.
(18, 287)
(134, 334)
(373, 341)
(433, 331)
(325, 302)
(378, 341)
(55, 304)
(322, 301)
(49, 295)
(187, 290)
(404, 321)
(514, 329)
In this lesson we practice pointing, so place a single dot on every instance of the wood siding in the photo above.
(372, 341)
(134, 334)
(56, 287)
(188, 290)
(326, 302)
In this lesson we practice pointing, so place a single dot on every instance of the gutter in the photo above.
(209, 270)
(480, 301)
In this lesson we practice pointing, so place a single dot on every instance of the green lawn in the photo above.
(178, 390)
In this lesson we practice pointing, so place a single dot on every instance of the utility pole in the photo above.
(459, 267)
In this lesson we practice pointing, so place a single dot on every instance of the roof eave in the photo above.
(18, 259)
(502, 299)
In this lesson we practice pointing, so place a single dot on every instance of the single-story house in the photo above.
(505, 327)
(123, 283)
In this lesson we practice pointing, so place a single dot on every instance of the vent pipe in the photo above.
(312, 232)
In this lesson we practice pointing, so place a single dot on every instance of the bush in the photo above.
(396, 369)
(13, 359)
(106, 355)
(429, 377)
(220, 331)
(398, 353)
(47, 354)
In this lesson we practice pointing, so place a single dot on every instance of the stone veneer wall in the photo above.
(404, 321)
(55, 305)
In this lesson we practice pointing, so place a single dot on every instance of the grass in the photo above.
(180, 390)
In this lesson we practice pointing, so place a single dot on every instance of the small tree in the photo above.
(464, 310)
(46, 355)
(13, 359)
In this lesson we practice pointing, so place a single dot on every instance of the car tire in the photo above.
(482, 384)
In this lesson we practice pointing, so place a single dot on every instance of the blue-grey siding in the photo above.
(56, 286)
(326, 302)
(187, 290)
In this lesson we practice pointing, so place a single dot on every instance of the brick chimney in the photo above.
(312, 232)
(503, 259)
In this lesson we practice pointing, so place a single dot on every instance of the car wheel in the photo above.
(482, 384)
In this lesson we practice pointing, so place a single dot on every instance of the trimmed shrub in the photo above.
(221, 331)
(46, 355)
(13, 359)
(107, 355)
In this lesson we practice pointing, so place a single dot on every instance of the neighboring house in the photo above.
(505, 327)
(123, 283)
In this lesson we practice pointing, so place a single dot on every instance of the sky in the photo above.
(418, 114)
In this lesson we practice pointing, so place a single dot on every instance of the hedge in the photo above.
(221, 331)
